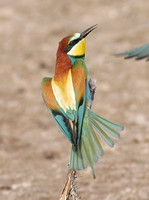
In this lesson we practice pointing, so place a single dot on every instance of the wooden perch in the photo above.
(69, 190)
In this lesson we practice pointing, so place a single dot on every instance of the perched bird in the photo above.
(67, 97)
(139, 52)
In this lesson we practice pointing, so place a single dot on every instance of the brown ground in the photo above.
(33, 153)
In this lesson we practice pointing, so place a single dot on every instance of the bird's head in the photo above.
(74, 45)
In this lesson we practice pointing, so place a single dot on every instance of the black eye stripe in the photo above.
(71, 44)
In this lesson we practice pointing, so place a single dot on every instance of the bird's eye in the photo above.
(72, 42)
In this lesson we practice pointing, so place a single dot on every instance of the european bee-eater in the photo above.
(139, 52)
(67, 97)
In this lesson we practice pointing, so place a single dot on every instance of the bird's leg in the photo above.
(92, 87)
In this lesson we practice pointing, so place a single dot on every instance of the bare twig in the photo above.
(69, 187)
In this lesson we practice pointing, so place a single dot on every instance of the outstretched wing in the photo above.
(53, 108)
(139, 52)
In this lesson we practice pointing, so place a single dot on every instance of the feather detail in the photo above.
(78, 79)
(63, 63)
(64, 92)
(48, 94)
(89, 146)
(139, 52)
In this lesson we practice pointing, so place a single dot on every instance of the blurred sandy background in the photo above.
(33, 152)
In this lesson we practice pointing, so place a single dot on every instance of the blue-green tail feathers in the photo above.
(89, 147)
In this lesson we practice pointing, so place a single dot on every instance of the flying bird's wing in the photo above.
(57, 114)
(139, 52)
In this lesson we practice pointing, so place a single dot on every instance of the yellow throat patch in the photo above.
(78, 49)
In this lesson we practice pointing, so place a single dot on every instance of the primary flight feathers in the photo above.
(139, 52)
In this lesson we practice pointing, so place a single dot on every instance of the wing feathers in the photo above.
(49, 99)
(139, 52)
(47, 94)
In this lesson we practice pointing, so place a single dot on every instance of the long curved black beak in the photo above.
(87, 31)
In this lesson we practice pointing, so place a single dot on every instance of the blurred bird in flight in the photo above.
(67, 97)
(139, 52)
